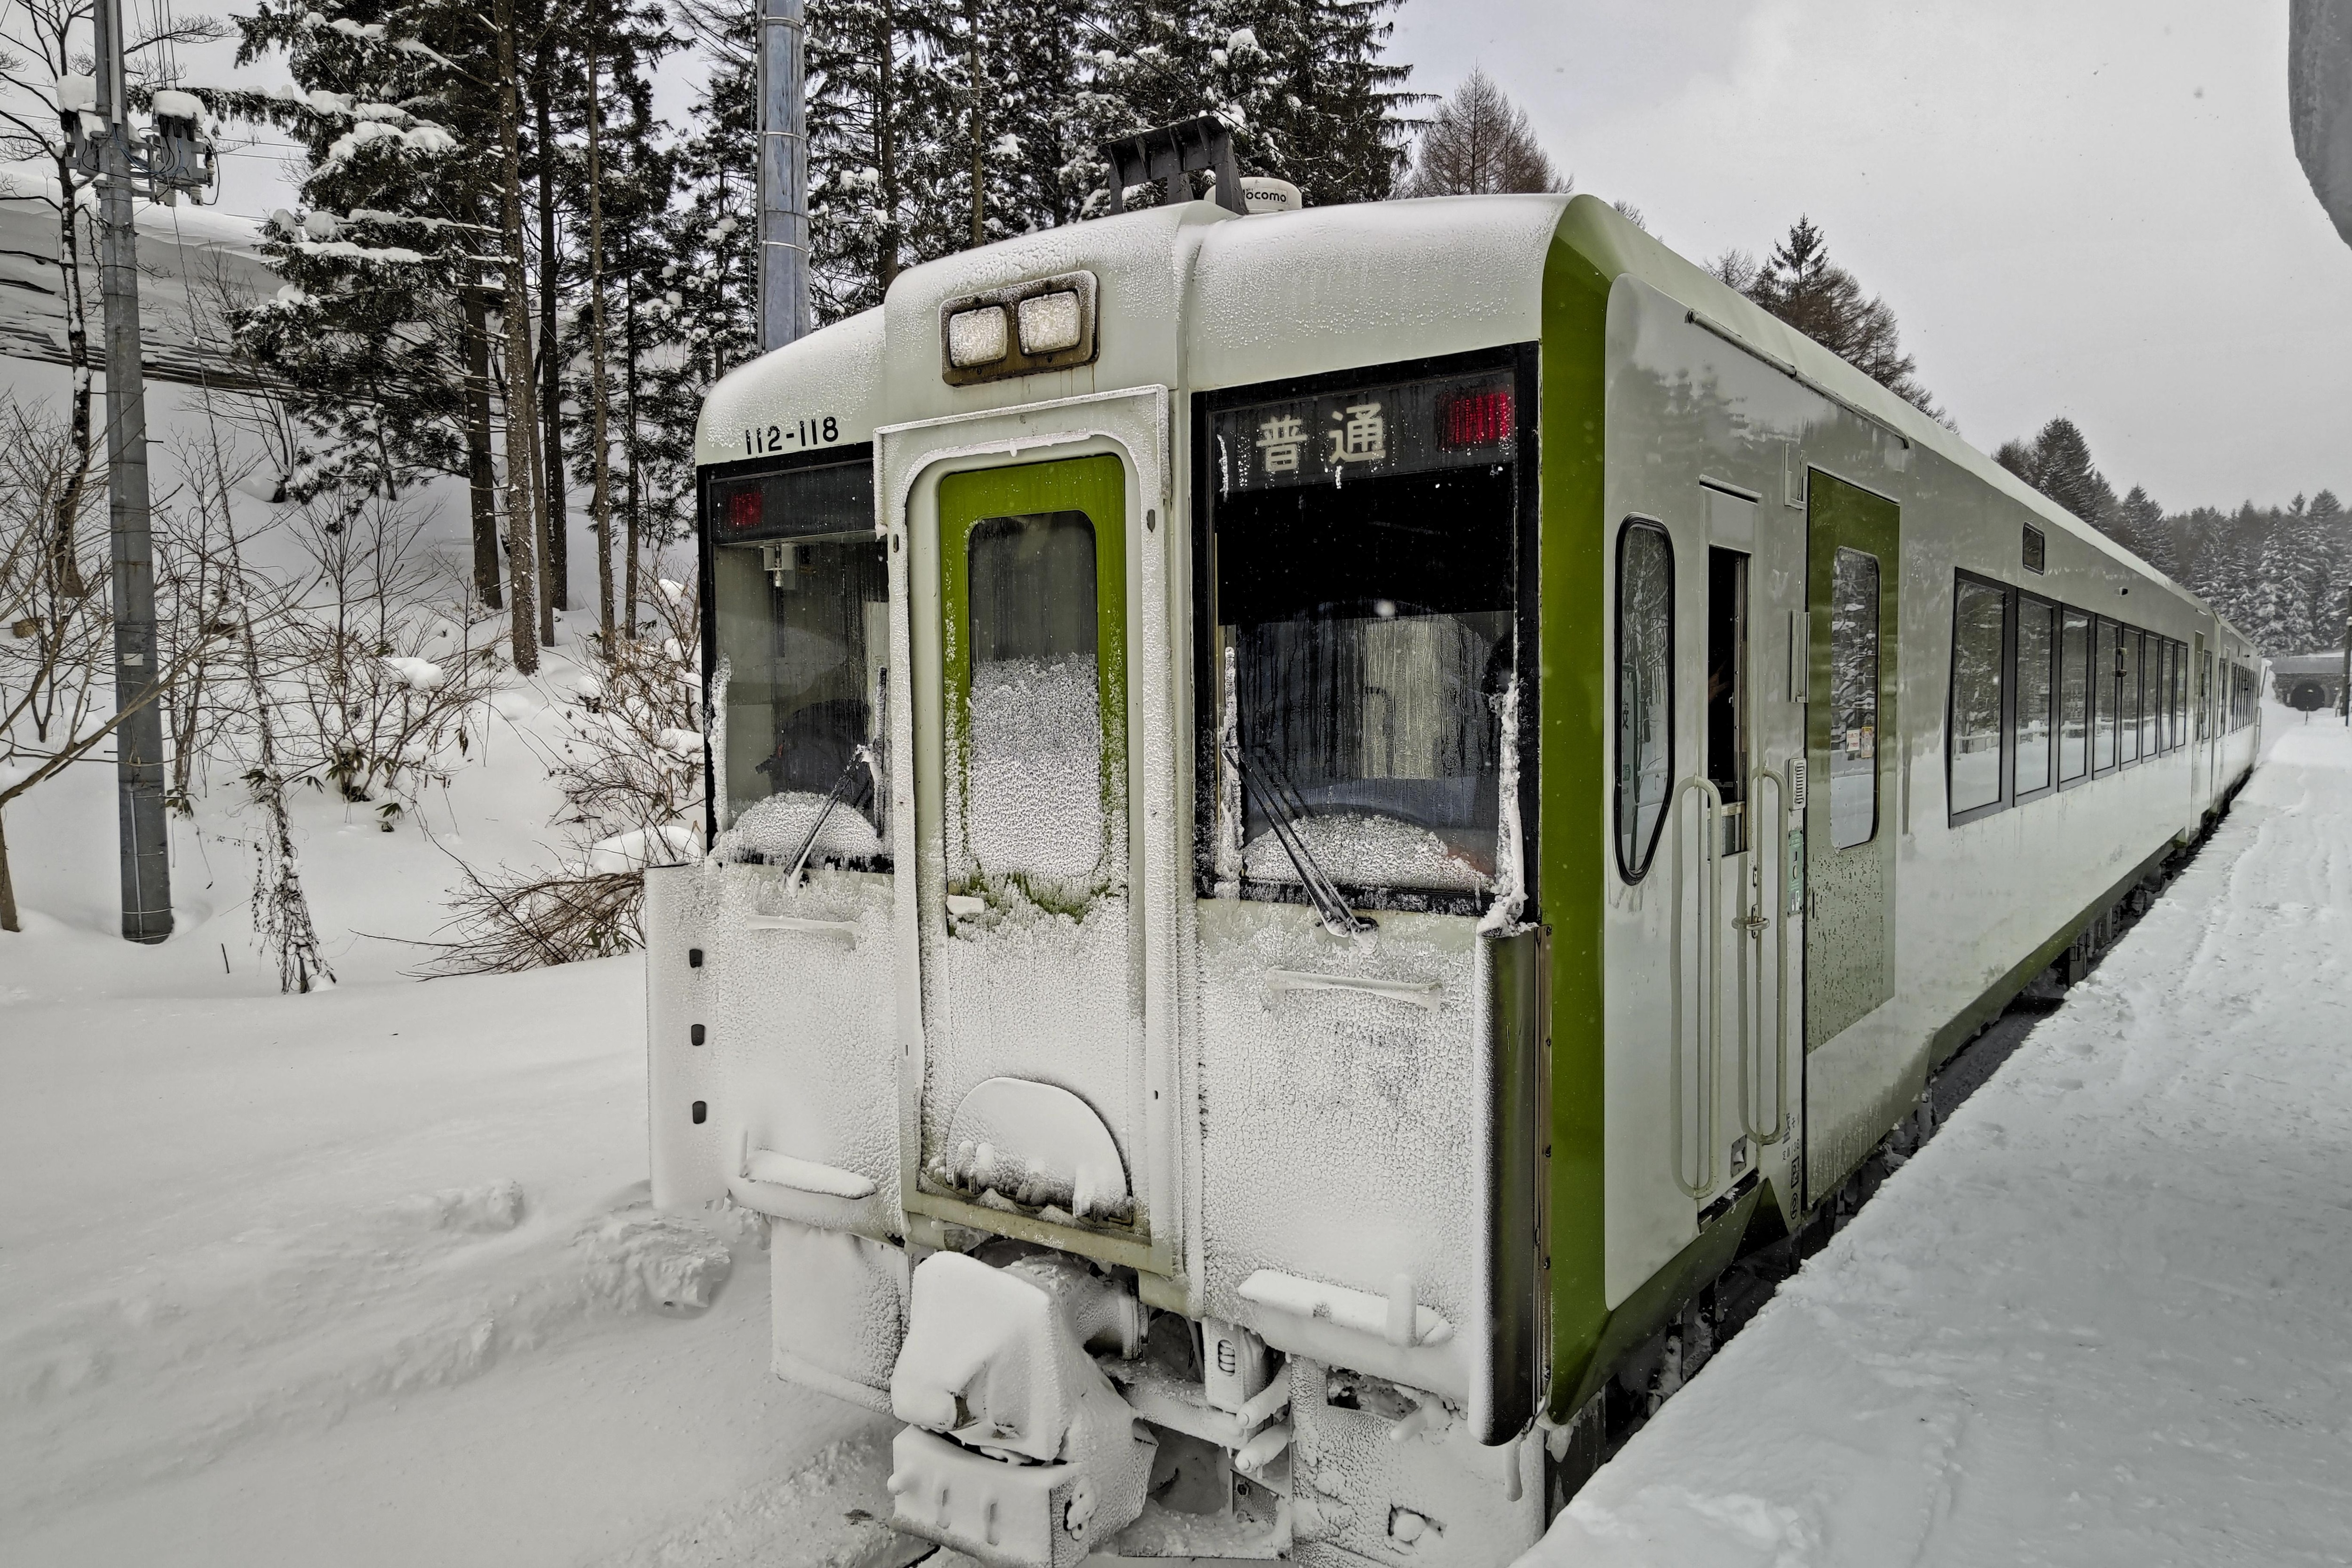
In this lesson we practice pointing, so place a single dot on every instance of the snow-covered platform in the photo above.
(2105, 1315)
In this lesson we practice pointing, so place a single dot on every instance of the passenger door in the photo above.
(1853, 570)
(1031, 1103)
(1751, 730)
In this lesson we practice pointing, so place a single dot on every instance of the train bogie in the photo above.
(1299, 862)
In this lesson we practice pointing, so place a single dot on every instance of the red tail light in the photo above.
(743, 510)
(1475, 419)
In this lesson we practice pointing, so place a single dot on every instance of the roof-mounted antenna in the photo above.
(1170, 153)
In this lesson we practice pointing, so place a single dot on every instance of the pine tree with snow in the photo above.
(1304, 84)
(1318, 104)
(366, 335)
(882, 148)
(2137, 523)
(1010, 127)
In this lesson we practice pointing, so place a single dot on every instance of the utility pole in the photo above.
(138, 739)
(784, 175)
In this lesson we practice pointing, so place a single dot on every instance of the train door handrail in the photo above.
(1709, 1039)
(1776, 908)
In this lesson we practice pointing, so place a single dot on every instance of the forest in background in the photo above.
(2281, 573)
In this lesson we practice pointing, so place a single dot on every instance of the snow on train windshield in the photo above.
(1362, 549)
(801, 603)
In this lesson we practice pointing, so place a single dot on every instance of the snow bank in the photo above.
(2100, 1317)
(369, 1278)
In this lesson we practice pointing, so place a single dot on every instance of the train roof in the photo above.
(1196, 297)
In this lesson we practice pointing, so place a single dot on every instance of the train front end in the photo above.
(1115, 974)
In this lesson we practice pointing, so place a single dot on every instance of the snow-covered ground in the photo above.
(367, 1277)
(2101, 1318)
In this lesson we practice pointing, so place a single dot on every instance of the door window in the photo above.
(1033, 779)
(1727, 689)
(1854, 698)
(1645, 692)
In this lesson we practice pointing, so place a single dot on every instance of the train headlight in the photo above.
(976, 338)
(1050, 322)
(1020, 328)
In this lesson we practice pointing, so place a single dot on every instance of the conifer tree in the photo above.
(882, 148)
(1798, 283)
(368, 335)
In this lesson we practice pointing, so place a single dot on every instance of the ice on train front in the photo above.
(1112, 977)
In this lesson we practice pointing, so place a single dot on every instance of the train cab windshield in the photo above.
(801, 602)
(1362, 549)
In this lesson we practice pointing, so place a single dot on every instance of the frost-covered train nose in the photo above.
(1017, 1451)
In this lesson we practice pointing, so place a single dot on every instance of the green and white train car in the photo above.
(1316, 815)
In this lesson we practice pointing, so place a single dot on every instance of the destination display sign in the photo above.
(799, 503)
(1366, 432)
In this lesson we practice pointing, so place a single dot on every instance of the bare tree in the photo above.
(1479, 144)
(56, 631)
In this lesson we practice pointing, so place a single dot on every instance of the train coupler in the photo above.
(1017, 1451)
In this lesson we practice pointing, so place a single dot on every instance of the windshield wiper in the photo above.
(863, 756)
(1285, 812)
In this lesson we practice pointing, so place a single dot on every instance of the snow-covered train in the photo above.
(1318, 816)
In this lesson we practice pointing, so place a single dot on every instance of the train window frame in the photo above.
(2004, 720)
(2090, 623)
(1633, 872)
(2131, 683)
(2020, 600)
(2165, 655)
(1522, 361)
(2180, 691)
(2106, 690)
(847, 455)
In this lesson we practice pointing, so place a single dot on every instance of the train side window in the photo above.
(2180, 694)
(1727, 689)
(2037, 691)
(1980, 636)
(2137, 697)
(1854, 698)
(2162, 702)
(1645, 692)
(2128, 709)
(2074, 695)
(2107, 692)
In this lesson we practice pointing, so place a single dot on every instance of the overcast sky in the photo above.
(2088, 208)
